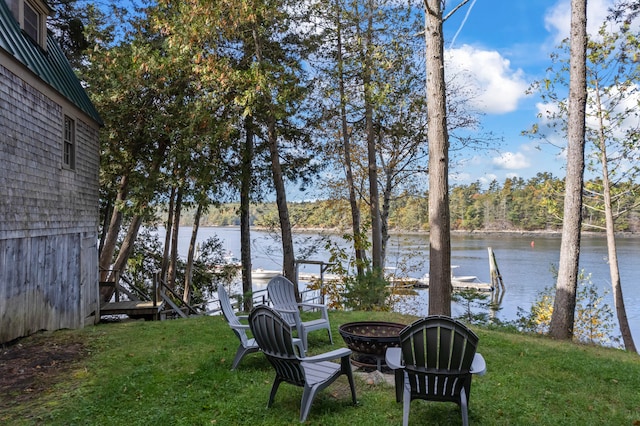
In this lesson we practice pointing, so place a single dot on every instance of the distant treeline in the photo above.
(516, 205)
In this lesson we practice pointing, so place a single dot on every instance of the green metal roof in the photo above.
(51, 66)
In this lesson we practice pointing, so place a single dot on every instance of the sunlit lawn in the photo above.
(177, 373)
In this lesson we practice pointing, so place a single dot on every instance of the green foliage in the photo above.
(593, 321)
(369, 292)
(476, 305)
(210, 267)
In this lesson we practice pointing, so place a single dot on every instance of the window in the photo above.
(31, 23)
(69, 155)
(32, 17)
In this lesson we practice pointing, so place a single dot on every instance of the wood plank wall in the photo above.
(48, 213)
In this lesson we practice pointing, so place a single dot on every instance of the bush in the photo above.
(593, 322)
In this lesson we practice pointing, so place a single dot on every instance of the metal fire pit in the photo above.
(369, 341)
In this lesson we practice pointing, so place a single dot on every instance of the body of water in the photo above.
(526, 262)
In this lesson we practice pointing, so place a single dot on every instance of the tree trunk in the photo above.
(439, 220)
(111, 239)
(563, 316)
(288, 256)
(188, 272)
(374, 203)
(245, 216)
(173, 260)
(108, 212)
(164, 267)
(384, 213)
(120, 264)
(612, 251)
(614, 271)
(358, 244)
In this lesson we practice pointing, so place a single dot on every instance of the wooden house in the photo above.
(49, 163)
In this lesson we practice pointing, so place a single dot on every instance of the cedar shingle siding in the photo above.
(48, 213)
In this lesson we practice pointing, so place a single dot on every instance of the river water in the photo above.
(525, 262)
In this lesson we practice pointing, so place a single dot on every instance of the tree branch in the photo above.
(455, 9)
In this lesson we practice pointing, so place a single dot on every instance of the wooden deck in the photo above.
(132, 309)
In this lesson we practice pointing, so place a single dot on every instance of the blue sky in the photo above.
(502, 47)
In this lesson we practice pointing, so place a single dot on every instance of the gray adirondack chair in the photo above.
(282, 296)
(247, 345)
(274, 336)
(436, 358)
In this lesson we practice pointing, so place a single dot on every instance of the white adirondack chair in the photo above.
(282, 296)
(274, 336)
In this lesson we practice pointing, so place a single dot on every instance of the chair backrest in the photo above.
(229, 314)
(274, 337)
(283, 297)
(439, 345)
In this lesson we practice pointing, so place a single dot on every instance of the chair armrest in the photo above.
(393, 358)
(313, 305)
(328, 356)
(287, 311)
(478, 365)
(319, 306)
(240, 326)
(242, 316)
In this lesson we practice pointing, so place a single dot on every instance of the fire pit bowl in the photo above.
(371, 337)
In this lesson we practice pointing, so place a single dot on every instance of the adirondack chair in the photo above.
(282, 296)
(247, 345)
(436, 358)
(274, 336)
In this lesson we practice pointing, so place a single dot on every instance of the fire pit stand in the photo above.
(369, 341)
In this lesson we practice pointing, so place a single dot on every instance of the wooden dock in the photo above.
(133, 308)
(460, 285)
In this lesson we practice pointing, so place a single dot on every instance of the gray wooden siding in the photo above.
(48, 215)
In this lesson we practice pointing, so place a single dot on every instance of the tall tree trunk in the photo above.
(111, 238)
(384, 214)
(164, 267)
(439, 219)
(614, 271)
(374, 203)
(245, 215)
(109, 208)
(188, 272)
(125, 250)
(288, 256)
(173, 257)
(612, 251)
(563, 316)
(358, 243)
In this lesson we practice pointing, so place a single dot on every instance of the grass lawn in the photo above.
(177, 373)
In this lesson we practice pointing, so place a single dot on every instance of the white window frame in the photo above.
(69, 143)
(33, 29)
(37, 31)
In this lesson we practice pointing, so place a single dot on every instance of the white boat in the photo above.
(229, 263)
(459, 282)
(264, 274)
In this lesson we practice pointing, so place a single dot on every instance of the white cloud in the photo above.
(496, 88)
(487, 179)
(461, 178)
(558, 18)
(511, 161)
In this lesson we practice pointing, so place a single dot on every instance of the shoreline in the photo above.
(548, 233)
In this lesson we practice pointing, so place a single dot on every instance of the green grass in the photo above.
(177, 373)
